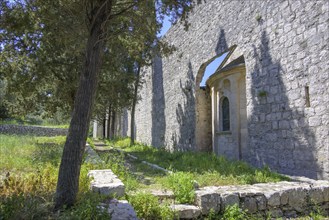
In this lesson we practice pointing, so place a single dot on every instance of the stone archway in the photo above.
(203, 129)
(229, 112)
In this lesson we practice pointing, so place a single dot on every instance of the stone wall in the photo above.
(31, 130)
(288, 199)
(285, 47)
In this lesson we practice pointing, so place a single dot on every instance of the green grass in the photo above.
(28, 176)
(207, 169)
(42, 123)
(25, 153)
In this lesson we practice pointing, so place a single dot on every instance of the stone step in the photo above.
(106, 182)
(120, 210)
(185, 211)
(162, 194)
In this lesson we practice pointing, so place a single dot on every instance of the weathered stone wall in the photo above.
(285, 46)
(282, 199)
(31, 130)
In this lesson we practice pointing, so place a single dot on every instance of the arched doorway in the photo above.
(229, 112)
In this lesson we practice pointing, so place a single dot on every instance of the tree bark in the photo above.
(112, 130)
(69, 171)
(108, 123)
(133, 108)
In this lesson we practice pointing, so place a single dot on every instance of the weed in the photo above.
(258, 17)
(28, 187)
(182, 184)
(87, 208)
(212, 215)
(116, 163)
(90, 141)
(262, 93)
(147, 207)
(234, 213)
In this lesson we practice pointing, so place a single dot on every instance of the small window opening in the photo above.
(307, 96)
(226, 114)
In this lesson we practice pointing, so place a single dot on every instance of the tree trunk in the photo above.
(112, 131)
(69, 171)
(108, 123)
(132, 118)
(104, 128)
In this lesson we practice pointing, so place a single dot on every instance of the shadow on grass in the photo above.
(47, 153)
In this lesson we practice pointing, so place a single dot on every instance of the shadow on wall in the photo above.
(221, 46)
(158, 104)
(279, 134)
(185, 115)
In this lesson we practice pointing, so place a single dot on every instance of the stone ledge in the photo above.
(281, 199)
(32, 130)
(106, 182)
(186, 211)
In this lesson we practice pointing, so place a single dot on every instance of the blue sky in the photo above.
(210, 69)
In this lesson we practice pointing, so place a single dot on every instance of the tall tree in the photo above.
(81, 31)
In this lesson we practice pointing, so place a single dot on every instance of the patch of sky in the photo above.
(211, 68)
(165, 26)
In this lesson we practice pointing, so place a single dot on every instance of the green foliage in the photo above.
(262, 93)
(90, 141)
(87, 207)
(44, 46)
(182, 184)
(212, 215)
(234, 213)
(116, 163)
(147, 207)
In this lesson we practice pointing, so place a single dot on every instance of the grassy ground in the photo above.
(207, 169)
(29, 167)
(44, 123)
(28, 176)
(189, 169)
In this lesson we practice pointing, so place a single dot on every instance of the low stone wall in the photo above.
(31, 130)
(289, 199)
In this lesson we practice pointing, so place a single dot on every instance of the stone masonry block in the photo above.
(186, 211)
(106, 182)
(297, 199)
(229, 200)
(261, 202)
(273, 198)
(249, 204)
(207, 199)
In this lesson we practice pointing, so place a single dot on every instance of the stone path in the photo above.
(107, 183)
